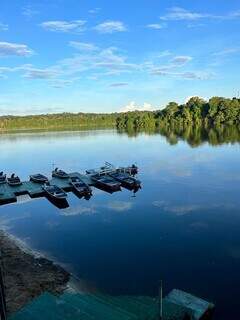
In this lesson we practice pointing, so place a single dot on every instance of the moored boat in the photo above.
(38, 178)
(54, 192)
(14, 180)
(106, 182)
(126, 180)
(80, 187)
(3, 178)
(132, 170)
(57, 173)
(109, 168)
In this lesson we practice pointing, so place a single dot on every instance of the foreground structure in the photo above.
(178, 305)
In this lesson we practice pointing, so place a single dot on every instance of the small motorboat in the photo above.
(57, 173)
(54, 192)
(3, 178)
(126, 180)
(38, 178)
(106, 182)
(80, 187)
(108, 167)
(14, 180)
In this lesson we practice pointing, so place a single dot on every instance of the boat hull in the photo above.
(128, 183)
(35, 179)
(60, 176)
(3, 179)
(51, 193)
(13, 183)
(112, 187)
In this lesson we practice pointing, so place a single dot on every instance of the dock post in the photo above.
(160, 298)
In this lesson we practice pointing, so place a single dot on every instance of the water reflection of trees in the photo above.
(193, 135)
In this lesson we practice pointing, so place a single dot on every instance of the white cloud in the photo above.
(168, 69)
(187, 75)
(29, 12)
(175, 62)
(21, 110)
(119, 84)
(78, 210)
(60, 83)
(156, 26)
(83, 46)
(164, 53)
(34, 73)
(3, 27)
(181, 60)
(227, 51)
(14, 49)
(132, 106)
(111, 27)
(105, 62)
(64, 26)
(178, 14)
(171, 70)
(119, 206)
(94, 11)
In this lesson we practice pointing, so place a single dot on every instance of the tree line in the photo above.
(196, 111)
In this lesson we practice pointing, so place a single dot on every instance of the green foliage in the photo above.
(57, 121)
(217, 111)
(196, 111)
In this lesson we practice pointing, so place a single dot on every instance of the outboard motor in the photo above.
(134, 170)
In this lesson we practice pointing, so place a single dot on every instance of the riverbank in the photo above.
(27, 276)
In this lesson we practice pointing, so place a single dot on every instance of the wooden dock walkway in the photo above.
(8, 194)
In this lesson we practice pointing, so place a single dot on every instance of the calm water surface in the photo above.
(182, 227)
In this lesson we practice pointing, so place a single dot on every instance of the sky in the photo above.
(110, 56)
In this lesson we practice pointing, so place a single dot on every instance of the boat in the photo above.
(132, 170)
(54, 192)
(106, 182)
(109, 168)
(57, 173)
(80, 187)
(3, 178)
(14, 180)
(38, 178)
(126, 180)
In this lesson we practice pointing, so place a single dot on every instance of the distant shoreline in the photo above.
(55, 129)
(196, 111)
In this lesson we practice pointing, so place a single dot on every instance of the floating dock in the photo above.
(9, 194)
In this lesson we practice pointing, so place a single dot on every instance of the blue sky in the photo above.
(104, 56)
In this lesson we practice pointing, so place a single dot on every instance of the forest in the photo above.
(196, 111)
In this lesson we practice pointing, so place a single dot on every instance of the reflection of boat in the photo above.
(126, 180)
(54, 192)
(14, 180)
(39, 178)
(57, 173)
(106, 182)
(2, 178)
(80, 188)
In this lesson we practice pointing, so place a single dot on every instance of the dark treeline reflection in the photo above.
(193, 135)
